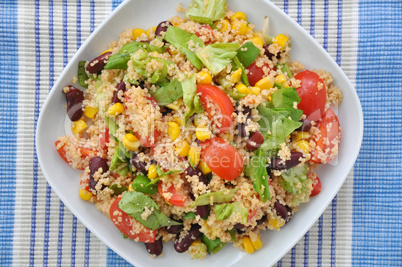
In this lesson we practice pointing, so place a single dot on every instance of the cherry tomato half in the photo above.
(222, 101)
(255, 73)
(178, 197)
(85, 153)
(316, 187)
(313, 97)
(206, 30)
(222, 158)
(130, 227)
(329, 138)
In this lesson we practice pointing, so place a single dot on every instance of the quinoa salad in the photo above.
(200, 131)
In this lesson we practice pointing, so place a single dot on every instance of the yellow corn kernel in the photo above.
(115, 109)
(301, 136)
(265, 83)
(239, 16)
(131, 142)
(194, 155)
(152, 174)
(235, 76)
(130, 188)
(303, 146)
(85, 194)
(248, 246)
(257, 243)
(175, 105)
(241, 88)
(90, 112)
(182, 148)
(179, 121)
(150, 30)
(239, 26)
(223, 25)
(78, 126)
(204, 167)
(255, 90)
(204, 77)
(257, 41)
(107, 50)
(197, 120)
(173, 130)
(275, 223)
(281, 40)
(280, 79)
(137, 33)
(202, 133)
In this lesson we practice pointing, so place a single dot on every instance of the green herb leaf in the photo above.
(203, 20)
(248, 53)
(217, 56)
(189, 216)
(111, 125)
(224, 211)
(213, 246)
(82, 74)
(142, 184)
(118, 189)
(190, 97)
(256, 170)
(118, 61)
(244, 77)
(168, 93)
(180, 38)
(232, 233)
(136, 203)
(285, 69)
(217, 197)
(285, 98)
(294, 180)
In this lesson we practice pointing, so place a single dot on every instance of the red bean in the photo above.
(203, 211)
(162, 27)
(278, 164)
(284, 211)
(155, 248)
(139, 165)
(240, 228)
(174, 229)
(182, 243)
(255, 141)
(121, 86)
(196, 171)
(97, 64)
(269, 54)
(74, 98)
(94, 165)
(306, 126)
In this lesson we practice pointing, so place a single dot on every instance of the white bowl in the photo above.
(142, 14)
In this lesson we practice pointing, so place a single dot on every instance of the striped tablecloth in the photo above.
(363, 224)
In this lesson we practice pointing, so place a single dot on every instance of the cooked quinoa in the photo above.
(199, 134)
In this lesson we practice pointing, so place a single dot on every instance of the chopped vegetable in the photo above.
(214, 197)
(217, 56)
(212, 9)
(213, 246)
(247, 54)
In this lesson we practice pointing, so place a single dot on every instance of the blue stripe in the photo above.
(325, 44)
(299, 12)
(319, 245)
(286, 6)
(279, 263)
(35, 158)
(306, 247)
(8, 129)
(87, 246)
(312, 18)
(60, 236)
(48, 189)
(293, 257)
(92, 16)
(377, 187)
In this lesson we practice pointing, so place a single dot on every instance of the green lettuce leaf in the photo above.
(168, 93)
(285, 98)
(180, 39)
(136, 203)
(190, 97)
(213, 246)
(295, 179)
(224, 211)
(217, 56)
(211, 9)
(256, 170)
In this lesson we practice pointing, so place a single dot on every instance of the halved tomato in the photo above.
(130, 227)
(313, 94)
(177, 197)
(255, 73)
(316, 187)
(85, 153)
(222, 158)
(212, 95)
(329, 138)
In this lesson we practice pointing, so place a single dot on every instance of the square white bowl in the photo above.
(142, 14)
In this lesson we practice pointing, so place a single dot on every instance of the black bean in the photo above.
(196, 171)
(284, 211)
(278, 164)
(174, 229)
(267, 53)
(182, 243)
(74, 98)
(97, 162)
(203, 211)
(305, 127)
(121, 86)
(240, 228)
(262, 220)
(162, 27)
(97, 64)
(255, 141)
(139, 165)
(155, 248)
